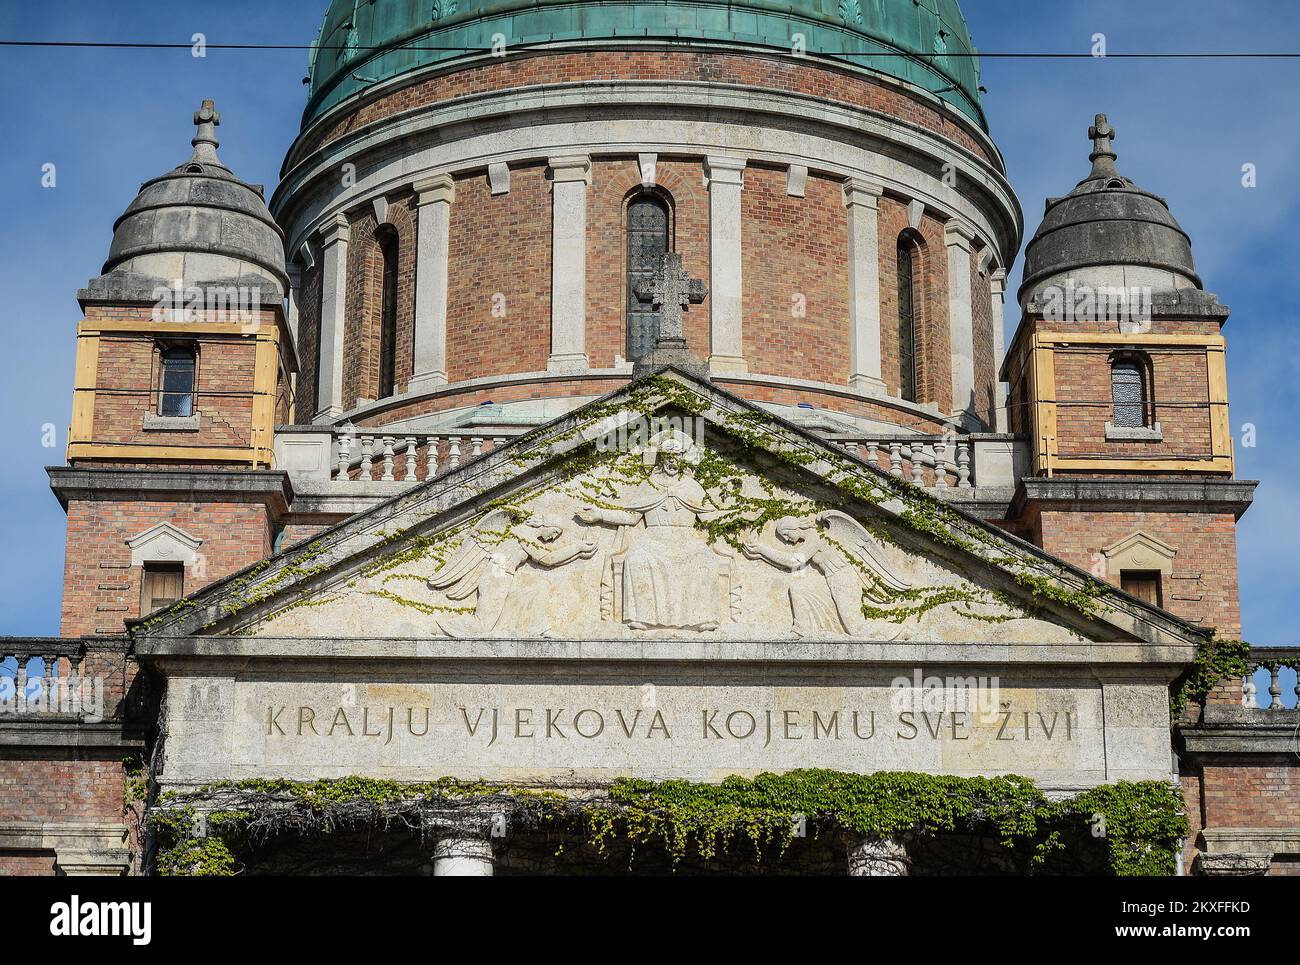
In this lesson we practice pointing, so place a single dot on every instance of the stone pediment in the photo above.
(667, 510)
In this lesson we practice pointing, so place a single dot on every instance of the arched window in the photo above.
(387, 237)
(176, 381)
(647, 240)
(908, 265)
(1130, 391)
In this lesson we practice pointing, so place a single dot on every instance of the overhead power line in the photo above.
(987, 55)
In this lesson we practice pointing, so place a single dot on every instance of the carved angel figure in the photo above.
(486, 565)
(662, 576)
(850, 559)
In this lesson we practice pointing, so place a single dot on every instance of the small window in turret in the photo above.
(176, 381)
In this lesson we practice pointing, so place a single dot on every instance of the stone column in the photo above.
(570, 177)
(862, 198)
(335, 236)
(959, 239)
(879, 858)
(726, 179)
(294, 271)
(998, 287)
(434, 197)
(462, 858)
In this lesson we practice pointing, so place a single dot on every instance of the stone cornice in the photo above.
(1152, 492)
(447, 124)
(269, 486)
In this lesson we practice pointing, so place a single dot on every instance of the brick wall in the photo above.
(1246, 793)
(364, 301)
(499, 266)
(614, 182)
(1203, 587)
(795, 248)
(128, 376)
(986, 377)
(308, 346)
(934, 358)
(101, 589)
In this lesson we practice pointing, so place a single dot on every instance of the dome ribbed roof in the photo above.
(924, 42)
(1107, 221)
(199, 224)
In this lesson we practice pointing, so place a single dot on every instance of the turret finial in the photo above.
(1103, 150)
(205, 141)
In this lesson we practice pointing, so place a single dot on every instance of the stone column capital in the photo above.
(305, 256)
(998, 281)
(439, 188)
(573, 167)
(335, 230)
(862, 192)
(724, 170)
(959, 234)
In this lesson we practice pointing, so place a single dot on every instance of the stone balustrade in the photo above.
(1275, 660)
(935, 462)
(361, 455)
(60, 656)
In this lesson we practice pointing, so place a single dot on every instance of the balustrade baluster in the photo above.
(896, 459)
(367, 461)
(1275, 687)
(963, 465)
(941, 464)
(453, 457)
(388, 459)
(873, 453)
(431, 458)
(410, 459)
(345, 455)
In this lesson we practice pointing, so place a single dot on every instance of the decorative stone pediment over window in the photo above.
(1138, 551)
(164, 543)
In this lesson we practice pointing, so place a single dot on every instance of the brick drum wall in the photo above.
(934, 359)
(101, 589)
(987, 390)
(795, 247)
(614, 183)
(499, 246)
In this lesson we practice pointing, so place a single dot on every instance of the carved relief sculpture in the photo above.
(486, 567)
(846, 555)
(662, 575)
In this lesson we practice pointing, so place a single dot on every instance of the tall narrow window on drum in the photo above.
(907, 265)
(647, 241)
(388, 247)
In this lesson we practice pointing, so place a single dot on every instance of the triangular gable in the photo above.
(911, 551)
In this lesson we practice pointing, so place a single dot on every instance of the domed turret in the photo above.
(198, 224)
(926, 44)
(1108, 231)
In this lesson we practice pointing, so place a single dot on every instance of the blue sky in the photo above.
(110, 119)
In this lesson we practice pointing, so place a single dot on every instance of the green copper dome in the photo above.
(923, 42)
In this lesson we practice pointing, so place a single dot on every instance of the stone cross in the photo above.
(672, 291)
(1103, 150)
(205, 141)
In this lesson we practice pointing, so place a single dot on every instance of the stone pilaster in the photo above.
(998, 288)
(862, 199)
(959, 239)
(335, 236)
(434, 197)
(463, 858)
(570, 177)
(726, 179)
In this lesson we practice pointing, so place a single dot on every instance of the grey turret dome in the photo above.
(1109, 231)
(199, 224)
